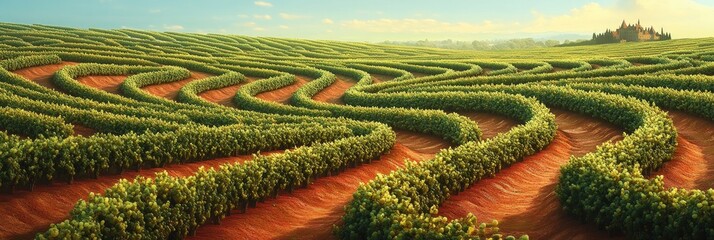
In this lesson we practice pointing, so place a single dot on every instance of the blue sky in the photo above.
(370, 20)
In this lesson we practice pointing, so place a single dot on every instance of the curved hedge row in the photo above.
(174, 207)
(29, 61)
(609, 186)
(404, 203)
(33, 125)
(138, 129)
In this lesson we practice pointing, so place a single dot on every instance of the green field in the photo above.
(69, 133)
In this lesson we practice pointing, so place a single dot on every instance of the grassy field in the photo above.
(128, 134)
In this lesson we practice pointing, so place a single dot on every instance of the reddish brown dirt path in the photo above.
(692, 166)
(310, 213)
(26, 213)
(378, 78)
(282, 95)
(522, 196)
(423, 145)
(42, 75)
(333, 93)
(108, 84)
(307, 213)
(170, 90)
(489, 123)
(81, 130)
(224, 96)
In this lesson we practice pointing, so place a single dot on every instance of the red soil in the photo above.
(522, 196)
(692, 166)
(310, 213)
(109, 84)
(282, 95)
(424, 145)
(26, 213)
(490, 124)
(224, 96)
(333, 93)
(80, 130)
(106, 83)
(307, 213)
(42, 75)
(557, 69)
(378, 78)
(170, 90)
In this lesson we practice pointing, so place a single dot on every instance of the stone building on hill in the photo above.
(631, 33)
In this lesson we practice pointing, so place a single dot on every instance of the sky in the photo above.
(372, 20)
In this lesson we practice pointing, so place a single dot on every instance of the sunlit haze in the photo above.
(372, 20)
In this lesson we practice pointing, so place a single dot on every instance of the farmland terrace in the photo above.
(128, 134)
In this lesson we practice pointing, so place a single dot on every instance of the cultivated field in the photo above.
(127, 134)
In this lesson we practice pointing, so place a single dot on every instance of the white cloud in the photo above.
(262, 4)
(259, 29)
(263, 17)
(410, 25)
(288, 16)
(173, 27)
(327, 21)
(283, 27)
(684, 18)
(249, 24)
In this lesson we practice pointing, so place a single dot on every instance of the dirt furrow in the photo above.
(108, 84)
(282, 95)
(170, 90)
(692, 166)
(333, 93)
(521, 197)
(25, 213)
(223, 96)
(42, 75)
(311, 212)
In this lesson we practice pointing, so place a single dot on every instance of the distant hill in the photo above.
(626, 33)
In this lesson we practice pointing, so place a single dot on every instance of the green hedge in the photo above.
(33, 125)
(404, 203)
